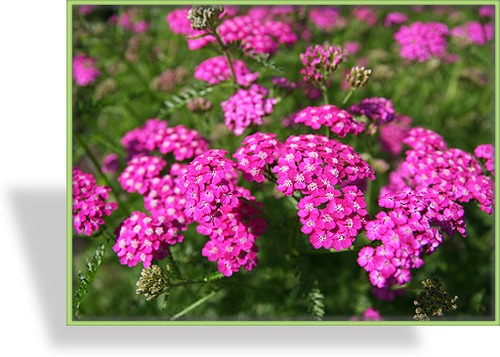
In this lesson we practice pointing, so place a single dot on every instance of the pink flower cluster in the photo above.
(247, 107)
(395, 18)
(85, 71)
(312, 164)
(475, 32)
(393, 133)
(339, 222)
(155, 134)
(421, 41)
(486, 152)
(257, 35)
(254, 153)
(319, 61)
(338, 120)
(139, 171)
(326, 18)
(219, 207)
(164, 197)
(216, 69)
(406, 232)
(453, 172)
(179, 24)
(142, 238)
(128, 21)
(89, 202)
(365, 14)
(379, 110)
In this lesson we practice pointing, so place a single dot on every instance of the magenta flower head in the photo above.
(85, 71)
(255, 153)
(486, 152)
(90, 204)
(338, 120)
(319, 62)
(395, 18)
(365, 14)
(247, 107)
(142, 238)
(326, 18)
(110, 164)
(139, 171)
(421, 41)
(215, 70)
(221, 210)
(378, 110)
(474, 32)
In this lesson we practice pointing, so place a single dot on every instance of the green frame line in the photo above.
(69, 160)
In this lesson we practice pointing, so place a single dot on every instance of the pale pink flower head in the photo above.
(421, 41)
(365, 14)
(326, 18)
(247, 107)
(216, 69)
(395, 18)
(85, 70)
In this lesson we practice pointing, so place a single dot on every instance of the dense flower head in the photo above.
(487, 11)
(395, 18)
(421, 41)
(312, 164)
(164, 197)
(155, 134)
(247, 107)
(393, 133)
(208, 184)
(256, 151)
(406, 231)
(326, 18)
(218, 205)
(142, 238)
(85, 70)
(379, 110)
(358, 76)
(178, 21)
(453, 172)
(338, 120)
(215, 70)
(320, 61)
(139, 171)
(337, 224)
(284, 83)
(474, 32)
(257, 35)
(110, 163)
(202, 17)
(486, 152)
(365, 14)
(90, 204)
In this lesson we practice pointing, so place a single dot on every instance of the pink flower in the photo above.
(142, 238)
(365, 14)
(486, 152)
(215, 70)
(85, 71)
(379, 110)
(421, 41)
(138, 173)
(395, 18)
(110, 164)
(90, 204)
(326, 18)
(247, 107)
(339, 121)
(475, 32)
(320, 61)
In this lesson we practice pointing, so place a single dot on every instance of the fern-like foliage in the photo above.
(316, 303)
(197, 90)
(85, 280)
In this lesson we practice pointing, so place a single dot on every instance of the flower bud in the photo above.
(358, 76)
(152, 282)
(204, 16)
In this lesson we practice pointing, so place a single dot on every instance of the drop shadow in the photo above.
(41, 221)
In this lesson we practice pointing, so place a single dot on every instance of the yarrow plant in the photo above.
(282, 162)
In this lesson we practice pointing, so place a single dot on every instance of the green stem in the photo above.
(324, 93)
(351, 91)
(225, 51)
(192, 306)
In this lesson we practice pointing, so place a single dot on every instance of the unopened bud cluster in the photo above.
(358, 76)
(152, 282)
(433, 301)
(204, 17)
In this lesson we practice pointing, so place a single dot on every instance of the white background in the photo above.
(33, 299)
